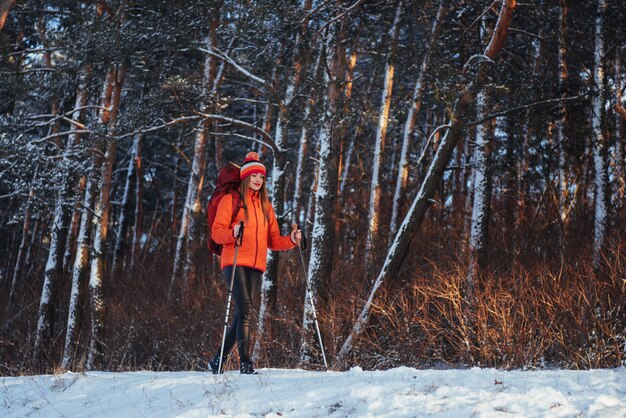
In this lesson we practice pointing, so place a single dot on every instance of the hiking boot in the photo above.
(245, 367)
(214, 363)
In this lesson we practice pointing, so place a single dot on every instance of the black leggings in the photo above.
(245, 288)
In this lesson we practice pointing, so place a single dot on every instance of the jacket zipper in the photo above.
(256, 235)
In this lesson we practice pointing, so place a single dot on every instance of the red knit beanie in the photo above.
(251, 165)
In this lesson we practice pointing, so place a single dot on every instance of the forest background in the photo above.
(457, 166)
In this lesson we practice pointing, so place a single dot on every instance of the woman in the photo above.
(260, 232)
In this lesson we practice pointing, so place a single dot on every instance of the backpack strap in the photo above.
(237, 204)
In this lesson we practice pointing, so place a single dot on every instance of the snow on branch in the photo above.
(523, 107)
(57, 134)
(269, 141)
(242, 124)
(250, 138)
(222, 56)
(144, 129)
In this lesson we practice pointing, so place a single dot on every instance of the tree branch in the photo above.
(232, 62)
(340, 15)
(242, 124)
(526, 106)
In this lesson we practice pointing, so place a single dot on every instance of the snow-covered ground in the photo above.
(400, 392)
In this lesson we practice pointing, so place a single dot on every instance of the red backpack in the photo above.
(228, 182)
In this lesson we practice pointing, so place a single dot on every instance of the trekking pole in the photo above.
(310, 294)
(238, 240)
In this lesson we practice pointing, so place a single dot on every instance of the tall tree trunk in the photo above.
(79, 276)
(469, 195)
(137, 226)
(101, 214)
(411, 118)
(480, 208)
(123, 221)
(598, 141)
(322, 237)
(373, 218)
(481, 201)
(21, 253)
(73, 140)
(298, 209)
(400, 247)
(277, 191)
(54, 266)
(563, 187)
(73, 229)
(188, 237)
(620, 163)
(346, 156)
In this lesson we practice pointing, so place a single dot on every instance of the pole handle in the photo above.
(239, 237)
(303, 243)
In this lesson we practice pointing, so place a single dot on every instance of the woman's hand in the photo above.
(296, 234)
(236, 230)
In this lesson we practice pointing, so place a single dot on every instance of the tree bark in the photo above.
(620, 116)
(480, 209)
(563, 186)
(188, 237)
(123, 222)
(598, 141)
(381, 134)
(21, 254)
(138, 222)
(479, 228)
(400, 247)
(79, 276)
(101, 213)
(322, 236)
(277, 191)
(409, 124)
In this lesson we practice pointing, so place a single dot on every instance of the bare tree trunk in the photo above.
(277, 193)
(21, 254)
(303, 144)
(346, 156)
(400, 247)
(192, 207)
(469, 195)
(411, 118)
(137, 227)
(620, 164)
(373, 218)
(563, 187)
(481, 201)
(73, 140)
(79, 276)
(521, 168)
(73, 229)
(52, 276)
(480, 208)
(358, 129)
(322, 237)
(598, 141)
(188, 237)
(58, 236)
(101, 213)
(123, 221)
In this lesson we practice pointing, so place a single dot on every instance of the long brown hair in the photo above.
(243, 189)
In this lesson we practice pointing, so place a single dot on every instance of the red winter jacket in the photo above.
(256, 237)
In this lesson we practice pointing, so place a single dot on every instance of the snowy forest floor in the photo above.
(399, 392)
